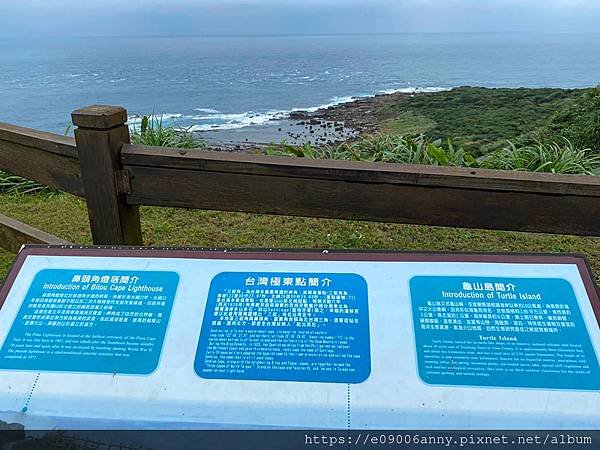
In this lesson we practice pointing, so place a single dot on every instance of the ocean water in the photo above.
(228, 83)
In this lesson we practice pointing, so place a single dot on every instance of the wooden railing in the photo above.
(115, 177)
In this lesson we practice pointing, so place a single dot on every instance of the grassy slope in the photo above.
(65, 216)
(478, 118)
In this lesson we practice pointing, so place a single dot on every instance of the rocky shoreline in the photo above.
(363, 114)
(327, 126)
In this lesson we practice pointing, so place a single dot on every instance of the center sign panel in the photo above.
(298, 339)
(285, 326)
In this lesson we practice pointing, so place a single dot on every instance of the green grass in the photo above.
(480, 119)
(406, 123)
(66, 216)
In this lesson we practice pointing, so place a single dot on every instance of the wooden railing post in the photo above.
(101, 132)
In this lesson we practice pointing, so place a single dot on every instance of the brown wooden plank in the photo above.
(50, 169)
(374, 201)
(99, 143)
(418, 175)
(50, 142)
(14, 234)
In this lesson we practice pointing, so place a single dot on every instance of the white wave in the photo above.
(237, 120)
(334, 102)
(207, 110)
(165, 117)
(241, 120)
(414, 90)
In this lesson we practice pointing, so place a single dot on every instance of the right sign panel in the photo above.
(501, 332)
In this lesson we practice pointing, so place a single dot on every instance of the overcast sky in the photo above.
(224, 17)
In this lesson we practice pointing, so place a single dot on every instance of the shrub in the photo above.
(579, 121)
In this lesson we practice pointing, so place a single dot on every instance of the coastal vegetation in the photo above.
(578, 121)
(536, 156)
(536, 130)
(479, 119)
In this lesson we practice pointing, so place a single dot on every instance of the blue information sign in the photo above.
(91, 321)
(286, 327)
(501, 332)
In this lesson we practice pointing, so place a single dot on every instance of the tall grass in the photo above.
(386, 148)
(12, 184)
(153, 131)
(545, 157)
(562, 157)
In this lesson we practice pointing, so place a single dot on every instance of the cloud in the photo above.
(185, 17)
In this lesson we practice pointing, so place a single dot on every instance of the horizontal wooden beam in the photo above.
(416, 175)
(14, 234)
(364, 191)
(46, 158)
(50, 142)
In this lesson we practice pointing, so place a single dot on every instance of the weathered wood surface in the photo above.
(49, 142)
(99, 117)
(101, 133)
(421, 175)
(364, 191)
(14, 234)
(47, 158)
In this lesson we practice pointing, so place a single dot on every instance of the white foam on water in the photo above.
(414, 90)
(236, 120)
(207, 110)
(334, 102)
(165, 117)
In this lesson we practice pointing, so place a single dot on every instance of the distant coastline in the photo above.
(331, 123)
(479, 118)
(363, 114)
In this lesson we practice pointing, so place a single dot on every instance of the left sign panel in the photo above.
(96, 321)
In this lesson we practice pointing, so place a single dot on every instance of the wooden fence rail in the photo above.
(15, 234)
(47, 158)
(115, 177)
